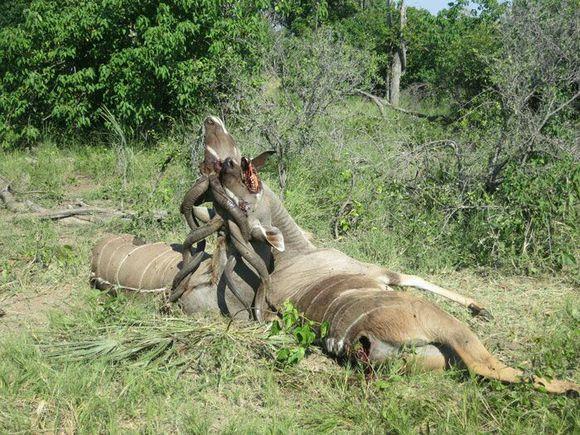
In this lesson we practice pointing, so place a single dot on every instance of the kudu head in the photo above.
(244, 188)
(218, 146)
(243, 185)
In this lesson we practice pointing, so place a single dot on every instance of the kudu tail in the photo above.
(467, 346)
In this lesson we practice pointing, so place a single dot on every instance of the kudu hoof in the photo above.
(480, 312)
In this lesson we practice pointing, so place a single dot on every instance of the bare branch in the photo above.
(381, 102)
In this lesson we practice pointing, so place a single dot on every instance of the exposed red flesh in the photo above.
(250, 176)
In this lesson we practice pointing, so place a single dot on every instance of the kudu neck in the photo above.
(294, 239)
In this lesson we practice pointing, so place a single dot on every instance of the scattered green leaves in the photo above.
(304, 332)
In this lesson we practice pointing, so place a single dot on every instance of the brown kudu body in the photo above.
(327, 285)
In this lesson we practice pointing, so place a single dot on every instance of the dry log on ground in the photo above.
(381, 103)
(82, 213)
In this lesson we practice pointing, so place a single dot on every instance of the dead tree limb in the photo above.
(381, 103)
(7, 198)
(78, 211)
(84, 213)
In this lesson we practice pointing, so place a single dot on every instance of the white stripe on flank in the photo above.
(162, 266)
(169, 264)
(340, 296)
(358, 319)
(103, 248)
(149, 265)
(112, 255)
(347, 306)
(322, 291)
(123, 262)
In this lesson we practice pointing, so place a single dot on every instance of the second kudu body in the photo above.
(328, 286)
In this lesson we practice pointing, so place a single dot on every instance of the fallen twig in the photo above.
(78, 211)
(86, 213)
(7, 197)
(81, 213)
(381, 103)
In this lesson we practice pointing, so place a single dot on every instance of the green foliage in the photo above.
(392, 188)
(304, 333)
(453, 51)
(367, 30)
(299, 16)
(146, 61)
(412, 207)
(538, 225)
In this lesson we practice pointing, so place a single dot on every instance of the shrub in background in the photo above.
(146, 61)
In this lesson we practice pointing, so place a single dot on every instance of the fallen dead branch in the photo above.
(78, 211)
(81, 213)
(382, 103)
(7, 197)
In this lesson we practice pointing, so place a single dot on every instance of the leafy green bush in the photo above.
(535, 223)
(304, 333)
(145, 61)
(453, 51)
(412, 207)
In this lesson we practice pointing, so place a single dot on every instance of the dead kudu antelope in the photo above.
(222, 163)
(122, 261)
(326, 285)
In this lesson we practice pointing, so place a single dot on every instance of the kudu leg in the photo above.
(400, 323)
(400, 279)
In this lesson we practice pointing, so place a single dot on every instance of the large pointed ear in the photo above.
(260, 160)
(271, 235)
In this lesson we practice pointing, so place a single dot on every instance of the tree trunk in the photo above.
(396, 72)
(388, 76)
(398, 64)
